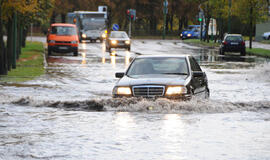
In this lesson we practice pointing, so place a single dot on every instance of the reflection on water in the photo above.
(83, 59)
(127, 58)
(113, 59)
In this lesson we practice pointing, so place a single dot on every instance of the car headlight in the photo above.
(114, 42)
(73, 42)
(127, 42)
(189, 35)
(104, 35)
(123, 91)
(83, 35)
(181, 35)
(173, 90)
(51, 41)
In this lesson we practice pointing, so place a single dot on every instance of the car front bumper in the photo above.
(63, 48)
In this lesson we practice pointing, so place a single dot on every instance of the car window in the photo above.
(234, 38)
(194, 65)
(158, 65)
(63, 30)
(118, 35)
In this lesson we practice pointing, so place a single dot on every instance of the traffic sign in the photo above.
(115, 27)
(165, 3)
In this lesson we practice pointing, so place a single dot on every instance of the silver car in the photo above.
(118, 39)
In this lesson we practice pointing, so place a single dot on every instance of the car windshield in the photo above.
(63, 30)
(93, 24)
(118, 35)
(234, 38)
(158, 65)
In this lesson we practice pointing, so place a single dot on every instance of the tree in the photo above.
(250, 12)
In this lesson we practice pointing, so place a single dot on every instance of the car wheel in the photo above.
(49, 52)
(128, 49)
(75, 53)
(110, 50)
(207, 94)
(243, 53)
(221, 52)
(101, 40)
(268, 38)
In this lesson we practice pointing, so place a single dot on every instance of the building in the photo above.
(263, 27)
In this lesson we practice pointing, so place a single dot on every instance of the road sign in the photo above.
(115, 27)
(165, 3)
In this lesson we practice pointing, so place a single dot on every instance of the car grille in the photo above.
(148, 91)
(62, 42)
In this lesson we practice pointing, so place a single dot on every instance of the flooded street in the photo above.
(68, 113)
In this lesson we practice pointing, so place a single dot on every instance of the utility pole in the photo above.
(165, 11)
(229, 18)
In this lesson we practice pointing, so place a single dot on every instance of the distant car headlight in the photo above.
(189, 35)
(104, 35)
(83, 35)
(113, 42)
(174, 90)
(73, 42)
(123, 91)
(127, 42)
(181, 35)
(51, 41)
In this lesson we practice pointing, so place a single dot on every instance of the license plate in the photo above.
(63, 47)
(233, 43)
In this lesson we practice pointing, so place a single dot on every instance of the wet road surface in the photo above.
(68, 113)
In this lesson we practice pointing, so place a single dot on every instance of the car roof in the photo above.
(63, 24)
(118, 31)
(233, 35)
(163, 56)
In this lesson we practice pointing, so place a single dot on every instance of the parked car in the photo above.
(233, 43)
(176, 77)
(266, 35)
(118, 39)
(193, 31)
(63, 38)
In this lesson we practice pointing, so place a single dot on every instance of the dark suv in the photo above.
(233, 43)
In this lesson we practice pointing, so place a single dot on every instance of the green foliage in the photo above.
(259, 52)
(29, 66)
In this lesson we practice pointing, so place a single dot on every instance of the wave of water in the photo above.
(161, 105)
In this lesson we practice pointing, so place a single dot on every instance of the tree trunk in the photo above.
(52, 20)
(3, 55)
(24, 35)
(63, 18)
(250, 27)
(171, 22)
(9, 43)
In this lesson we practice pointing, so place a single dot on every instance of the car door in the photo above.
(198, 77)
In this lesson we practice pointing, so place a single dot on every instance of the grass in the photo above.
(265, 41)
(197, 41)
(29, 65)
(259, 52)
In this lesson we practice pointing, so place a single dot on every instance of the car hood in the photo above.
(152, 79)
(119, 39)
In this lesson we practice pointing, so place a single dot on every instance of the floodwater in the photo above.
(68, 113)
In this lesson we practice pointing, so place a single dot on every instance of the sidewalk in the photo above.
(258, 45)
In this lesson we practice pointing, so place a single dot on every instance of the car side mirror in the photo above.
(119, 74)
(198, 74)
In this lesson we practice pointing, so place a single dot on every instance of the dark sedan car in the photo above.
(118, 39)
(233, 43)
(162, 76)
